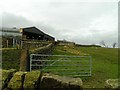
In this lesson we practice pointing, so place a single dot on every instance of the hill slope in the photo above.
(104, 63)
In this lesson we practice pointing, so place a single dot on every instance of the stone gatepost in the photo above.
(24, 60)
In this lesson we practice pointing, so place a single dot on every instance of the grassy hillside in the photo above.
(11, 58)
(104, 63)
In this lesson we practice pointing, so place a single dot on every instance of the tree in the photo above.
(114, 44)
(103, 43)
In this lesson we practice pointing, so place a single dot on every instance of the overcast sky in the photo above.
(82, 22)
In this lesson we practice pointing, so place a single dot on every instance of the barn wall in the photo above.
(8, 42)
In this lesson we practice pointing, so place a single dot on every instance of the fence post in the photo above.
(13, 42)
(24, 60)
(21, 44)
(7, 43)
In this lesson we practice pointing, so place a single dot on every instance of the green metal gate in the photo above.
(74, 66)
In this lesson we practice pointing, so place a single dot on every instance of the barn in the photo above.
(11, 37)
(64, 42)
(33, 33)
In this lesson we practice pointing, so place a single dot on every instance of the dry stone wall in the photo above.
(36, 80)
(25, 55)
(43, 49)
(54, 81)
(112, 84)
(6, 77)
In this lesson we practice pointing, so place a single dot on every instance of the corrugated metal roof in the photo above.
(33, 30)
(36, 31)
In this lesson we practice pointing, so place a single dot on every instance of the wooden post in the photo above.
(13, 42)
(24, 60)
(7, 43)
(21, 44)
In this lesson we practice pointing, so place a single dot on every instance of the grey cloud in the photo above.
(57, 4)
(76, 14)
(70, 21)
(11, 20)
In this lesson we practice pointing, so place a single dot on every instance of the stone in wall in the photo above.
(35, 80)
(6, 76)
(17, 81)
(50, 81)
(1, 78)
(32, 79)
(112, 84)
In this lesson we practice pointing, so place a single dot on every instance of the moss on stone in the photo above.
(55, 81)
(31, 80)
(112, 83)
(35, 80)
(16, 81)
(0, 78)
(6, 76)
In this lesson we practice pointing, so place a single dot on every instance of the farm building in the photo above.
(11, 37)
(64, 42)
(10, 41)
(33, 33)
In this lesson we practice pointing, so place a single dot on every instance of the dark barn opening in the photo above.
(33, 33)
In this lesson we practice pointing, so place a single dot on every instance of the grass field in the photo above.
(11, 58)
(104, 63)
